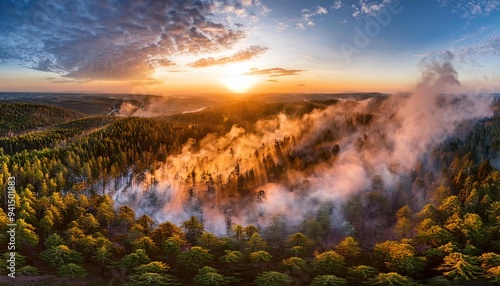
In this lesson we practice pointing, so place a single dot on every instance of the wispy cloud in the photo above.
(282, 26)
(473, 8)
(64, 81)
(476, 45)
(240, 56)
(273, 72)
(471, 52)
(489, 47)
(422, 55)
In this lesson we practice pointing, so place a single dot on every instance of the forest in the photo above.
(319, 192)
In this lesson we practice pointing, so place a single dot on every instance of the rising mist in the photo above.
(344, 146)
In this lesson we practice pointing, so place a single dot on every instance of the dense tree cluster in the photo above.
(444, 229)
(57, 135)
(20, 117)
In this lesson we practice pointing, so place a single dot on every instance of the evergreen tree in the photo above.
(273, 278)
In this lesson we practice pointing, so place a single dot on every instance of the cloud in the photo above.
(273, 72)
(472, 9)
(301, 84)
(472, 48)
(308, 15)
(367, 8)
(110, 40)
(321, 11)
(422, 55)
(282, 26)
(246, 2)
(162, 62)
(63, 81)
(244, 55)
(490, 46)
(235, 10)
(272, 80)
(337, 4)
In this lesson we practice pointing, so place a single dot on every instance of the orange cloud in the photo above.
(273, 72)
(240, 56)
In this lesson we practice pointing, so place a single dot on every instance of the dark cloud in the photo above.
(273, 72)
(272, 80)
(301, 84)
(109, 39)
(247, 54)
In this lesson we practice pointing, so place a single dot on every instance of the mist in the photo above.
(152, 106)
(344, 145)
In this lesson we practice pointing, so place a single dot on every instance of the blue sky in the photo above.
(169, 47)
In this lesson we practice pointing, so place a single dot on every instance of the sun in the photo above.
(239, 83)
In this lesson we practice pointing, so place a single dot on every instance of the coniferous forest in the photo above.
(249, 142)
(350, 190)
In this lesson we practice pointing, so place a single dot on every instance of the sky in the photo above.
(244, 46)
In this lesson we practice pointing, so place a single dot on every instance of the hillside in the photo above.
(22, 117)
(54, 135)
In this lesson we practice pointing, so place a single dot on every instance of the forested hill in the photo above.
(19, 117)
(97, 199)
(54, 135)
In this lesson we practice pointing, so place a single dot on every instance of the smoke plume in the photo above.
(343, 147)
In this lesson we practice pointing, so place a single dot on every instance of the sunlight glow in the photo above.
(239, 83)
